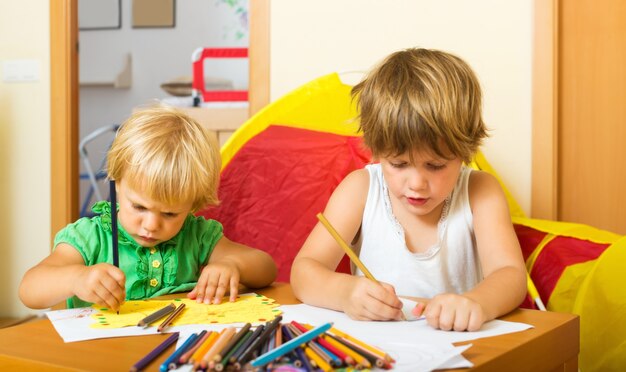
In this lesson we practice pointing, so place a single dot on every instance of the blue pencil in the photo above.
(172, 361)
(116, 256)
(154, 353)
(290, 345)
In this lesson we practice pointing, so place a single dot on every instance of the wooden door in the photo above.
(582, 115)
(592, 94)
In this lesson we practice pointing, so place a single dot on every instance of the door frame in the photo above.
(63, 113)
(544, 165)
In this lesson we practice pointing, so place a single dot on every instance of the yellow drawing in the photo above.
(248, 308)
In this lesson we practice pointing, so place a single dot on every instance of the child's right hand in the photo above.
(103, 284)
(367, 300)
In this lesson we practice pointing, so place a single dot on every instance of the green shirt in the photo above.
(172, 266)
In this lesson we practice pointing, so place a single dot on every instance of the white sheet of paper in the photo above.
(407, 309)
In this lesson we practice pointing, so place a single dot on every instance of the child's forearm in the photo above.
(38, 291)
(500, 292)
(315, 284)
(256, 268)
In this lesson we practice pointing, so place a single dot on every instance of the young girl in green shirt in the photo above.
(166, 167)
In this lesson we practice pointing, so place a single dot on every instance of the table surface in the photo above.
(553, 344)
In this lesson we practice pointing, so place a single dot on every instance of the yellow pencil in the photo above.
(358, 358)
(345, 247)
(319, 362)
(353, 257)
(358, 342)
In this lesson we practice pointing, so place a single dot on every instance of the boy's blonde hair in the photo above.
(168, 156)
(421, 100)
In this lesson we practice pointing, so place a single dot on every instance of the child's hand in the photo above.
(214, 281)
(454, 312)
(103, 284)
(367, 300)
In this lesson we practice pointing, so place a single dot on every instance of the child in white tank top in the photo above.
(426, 226)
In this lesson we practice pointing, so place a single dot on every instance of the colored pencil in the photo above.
(114, 237)
(226, 359)
(267, 331)
(358, 358)
(197, 355)
(166, 323)
(335, 360)
(141, 364)
(356, 341)
(171, 361)
(353, 257)
(338, 357)
(311, 344)
(306, 363)
(345, 247)
(156, 315)
(347, 359)
(290, 345)
(372, 358)
(317, 359)
(233, 341)
(226, 335)
(236, 357)
(192, 349)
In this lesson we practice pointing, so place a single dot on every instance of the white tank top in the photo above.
(451, 265)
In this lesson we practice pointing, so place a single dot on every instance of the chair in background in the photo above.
(93, 194)
(281, 166)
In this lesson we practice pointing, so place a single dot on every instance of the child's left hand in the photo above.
(215, 280)
(450, 311)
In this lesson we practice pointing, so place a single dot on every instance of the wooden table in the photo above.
(552, 345)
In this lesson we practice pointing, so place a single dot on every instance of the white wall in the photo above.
(314, 38)
(158, 55)
(24, 147)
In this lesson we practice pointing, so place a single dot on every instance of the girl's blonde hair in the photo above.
(168, 156)
(421, 100)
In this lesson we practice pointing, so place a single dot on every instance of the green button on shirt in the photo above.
(172, 266)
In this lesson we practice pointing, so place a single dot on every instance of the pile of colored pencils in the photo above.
(275, 345)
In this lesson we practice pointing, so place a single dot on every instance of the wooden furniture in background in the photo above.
(552, 345)
(578, 118)
(221, 120)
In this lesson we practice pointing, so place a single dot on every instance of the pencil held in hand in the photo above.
(345, 247)
(353, 257)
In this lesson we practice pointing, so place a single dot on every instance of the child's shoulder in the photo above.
(357, 178)
(483, 186)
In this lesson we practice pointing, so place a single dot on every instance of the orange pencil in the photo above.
(196, 357)
(185, 357)
(219, 344)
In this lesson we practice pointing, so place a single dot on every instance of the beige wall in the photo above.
(313, 38)
(24, 148)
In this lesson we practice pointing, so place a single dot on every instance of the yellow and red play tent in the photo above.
(281, 166)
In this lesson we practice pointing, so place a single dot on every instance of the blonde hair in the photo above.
(421, 100)
(167, 155)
